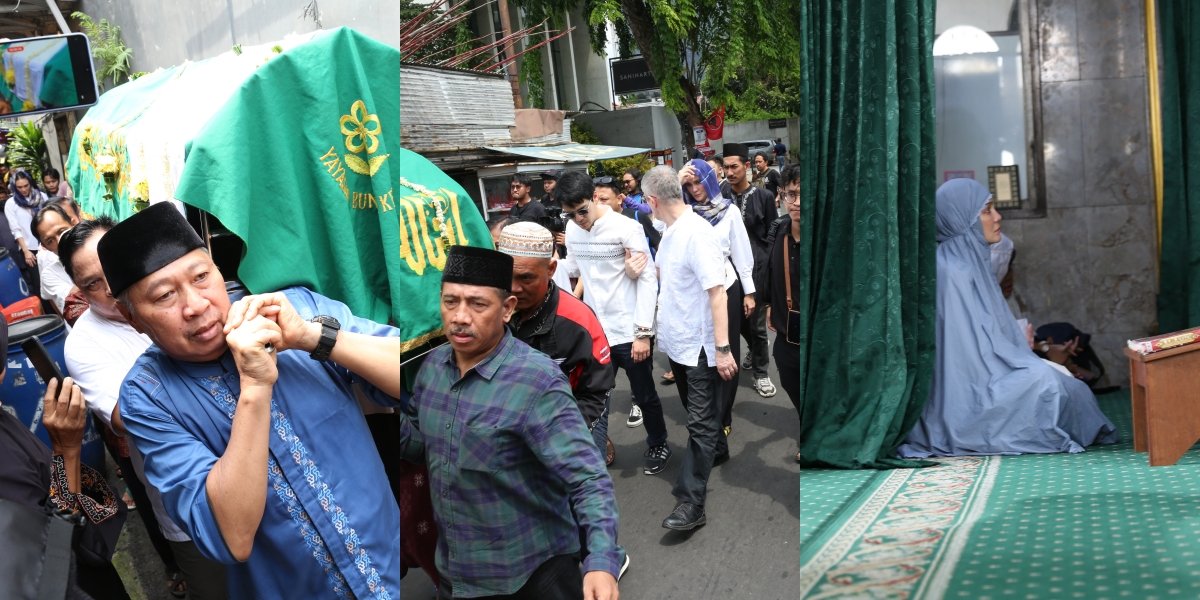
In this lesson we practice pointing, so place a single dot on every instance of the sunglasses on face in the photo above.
(602, 180)
(570, 215)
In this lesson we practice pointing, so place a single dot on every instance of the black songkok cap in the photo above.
(736, 150)
(144, 243)
(478, 266)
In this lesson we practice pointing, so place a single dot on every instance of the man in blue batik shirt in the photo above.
(251, 433)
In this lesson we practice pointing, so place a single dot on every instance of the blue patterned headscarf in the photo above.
(35, 199)
(714, 209)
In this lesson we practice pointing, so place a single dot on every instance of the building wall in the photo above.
(652, 127)
(164, 33)
(761, 130)
(1092, 259)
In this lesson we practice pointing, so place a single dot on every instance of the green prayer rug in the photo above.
(1100, 524)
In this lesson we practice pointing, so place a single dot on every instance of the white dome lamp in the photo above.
(964, 39)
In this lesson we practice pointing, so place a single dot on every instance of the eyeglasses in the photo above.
(792, 198)
(570, 215)
(602, 180)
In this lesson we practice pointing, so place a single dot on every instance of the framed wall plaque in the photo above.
(1005, 184)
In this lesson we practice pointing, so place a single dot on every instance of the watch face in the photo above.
(327, 320)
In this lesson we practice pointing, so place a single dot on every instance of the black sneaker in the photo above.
(656, 458)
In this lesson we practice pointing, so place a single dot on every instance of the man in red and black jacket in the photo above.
(560, 325)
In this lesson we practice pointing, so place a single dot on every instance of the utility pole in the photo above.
(512, 69)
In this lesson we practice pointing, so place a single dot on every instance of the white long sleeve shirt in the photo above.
(56, 285)
(735, 245)
(20, 221)
(622, 304)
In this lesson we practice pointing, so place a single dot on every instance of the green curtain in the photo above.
(867, 152)
(1179, 278)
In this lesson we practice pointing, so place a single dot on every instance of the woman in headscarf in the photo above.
(23, 203)
(702, 191)
(991, 394)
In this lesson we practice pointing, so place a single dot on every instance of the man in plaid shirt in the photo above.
(509, 456)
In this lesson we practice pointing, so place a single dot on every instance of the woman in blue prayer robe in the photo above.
(991, 394)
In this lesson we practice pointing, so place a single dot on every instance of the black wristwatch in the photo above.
(329, 331)
(724, 349)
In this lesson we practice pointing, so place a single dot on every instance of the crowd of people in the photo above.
(275, 451)
(273, 446)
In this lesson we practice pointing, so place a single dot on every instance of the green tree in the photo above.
(27, 149)
(111, 55)
(710, 48)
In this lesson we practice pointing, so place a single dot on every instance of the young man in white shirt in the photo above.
(49, 225)
(601, 240)
(693, 332)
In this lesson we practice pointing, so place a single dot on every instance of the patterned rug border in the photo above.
(949, 554)
(839, 542)
(906, 539)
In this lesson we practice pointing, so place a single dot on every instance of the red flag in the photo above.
(714, 127)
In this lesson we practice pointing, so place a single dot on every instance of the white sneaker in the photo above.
(764, 387)
(635, 417)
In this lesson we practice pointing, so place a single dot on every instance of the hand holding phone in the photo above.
(46, 368)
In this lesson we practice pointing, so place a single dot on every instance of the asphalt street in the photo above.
(748, 549)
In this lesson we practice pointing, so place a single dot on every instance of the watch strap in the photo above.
(329, 331)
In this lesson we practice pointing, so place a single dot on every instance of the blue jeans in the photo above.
(641, 384)
(600, 428)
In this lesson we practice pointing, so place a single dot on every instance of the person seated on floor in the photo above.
(1060, 343)
(991, 394)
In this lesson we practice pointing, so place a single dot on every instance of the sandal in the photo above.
(668, 378)
(177, 585)
(130, 503)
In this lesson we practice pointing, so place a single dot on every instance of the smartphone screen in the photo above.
(46, 74)
(42, 362)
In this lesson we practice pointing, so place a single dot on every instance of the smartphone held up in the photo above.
(46, 74)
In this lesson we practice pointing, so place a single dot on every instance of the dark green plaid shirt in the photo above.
(509, 458)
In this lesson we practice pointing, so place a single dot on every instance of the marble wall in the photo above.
(1092, 259)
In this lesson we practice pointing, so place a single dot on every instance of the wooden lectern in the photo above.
(1165, 386)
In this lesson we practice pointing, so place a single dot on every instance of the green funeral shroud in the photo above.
(304, 164)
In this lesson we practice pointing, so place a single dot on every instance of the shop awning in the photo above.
(570, 152)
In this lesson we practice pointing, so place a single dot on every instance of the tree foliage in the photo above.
(110, 53)
(456, 40)
(27, 149)
(744, 54)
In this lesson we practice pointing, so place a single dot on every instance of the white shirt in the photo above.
(690, 263)
(735, 244)
(20, 222)
(563, 273)
(55, 283)
(622, 304)
(99, 354)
